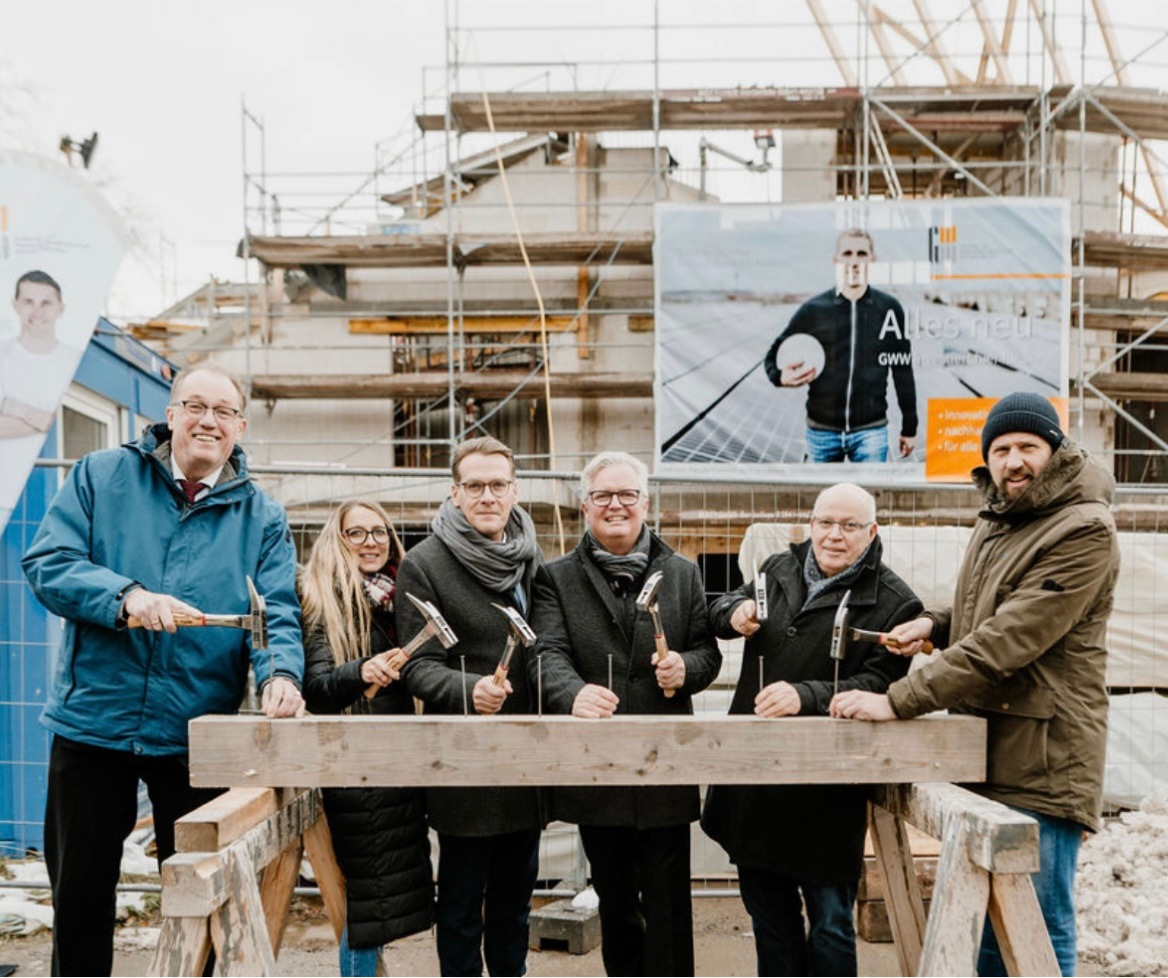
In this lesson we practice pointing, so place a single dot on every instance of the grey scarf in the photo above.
(620, 569)
(497, 566)
(817, 583)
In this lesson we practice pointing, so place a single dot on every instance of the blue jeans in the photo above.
(828, 947)
(869, 445)
(1058, 856)
(484, 901)
(357, 962)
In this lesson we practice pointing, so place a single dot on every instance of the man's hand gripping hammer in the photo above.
(255, 621)
(647, 601)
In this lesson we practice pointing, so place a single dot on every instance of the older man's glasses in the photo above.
(196, 409)
(602, 497)
(357, 535)
(475, 489)
(847, 527)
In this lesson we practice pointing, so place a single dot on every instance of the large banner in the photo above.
(855, 340)
(60, 245)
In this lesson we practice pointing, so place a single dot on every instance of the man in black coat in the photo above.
(483, 551)
(810, 839)
(596, 657)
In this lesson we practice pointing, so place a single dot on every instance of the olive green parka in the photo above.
(1023, 644)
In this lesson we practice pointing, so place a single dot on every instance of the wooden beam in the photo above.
(1145, 110)
(833, 45)
(1136, 251)
(436, 325)
(1020, 928)
(999, 840)
(487, 385)
(241, 941)
(429, 250)
(184, 943)
(195, 884)
(318, 846)
(957, 914)
(276, 887)
(1129, 387)
(902, 889)
(561, 750)
(222, 820)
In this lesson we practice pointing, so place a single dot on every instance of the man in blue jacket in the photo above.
(169, 524)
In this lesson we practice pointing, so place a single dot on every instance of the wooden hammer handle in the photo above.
(183, 620)
(662, 652)
(889, 642)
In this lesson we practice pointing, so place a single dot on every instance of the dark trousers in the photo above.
(91, 809)
(646, 914)
(826, 947)
(484, 901)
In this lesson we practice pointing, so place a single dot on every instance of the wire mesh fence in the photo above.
(727, 526)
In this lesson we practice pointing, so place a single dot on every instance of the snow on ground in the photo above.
(1122, 893)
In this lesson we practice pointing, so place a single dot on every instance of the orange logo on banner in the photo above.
(953, 432)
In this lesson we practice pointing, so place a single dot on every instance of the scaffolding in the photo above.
(468, 309)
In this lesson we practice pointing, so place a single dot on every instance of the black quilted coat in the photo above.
(379, 834)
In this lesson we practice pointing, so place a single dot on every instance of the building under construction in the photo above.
(495, 272)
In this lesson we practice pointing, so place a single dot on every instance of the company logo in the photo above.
(942, 243)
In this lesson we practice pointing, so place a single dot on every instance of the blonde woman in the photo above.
(348, 593)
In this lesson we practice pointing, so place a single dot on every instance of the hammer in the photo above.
(760, 596)
(255, 621)
(435, 627)
(883, 638)
(518, 631)
(839, 637)
(647, 601)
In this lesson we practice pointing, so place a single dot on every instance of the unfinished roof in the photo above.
(968, 108)
(426, 197)
(429, 250)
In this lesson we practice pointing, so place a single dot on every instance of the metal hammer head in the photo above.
(520, 630)
(435, 623)
(760, 596)
(647, 599)
(257, 616)
(839, 628)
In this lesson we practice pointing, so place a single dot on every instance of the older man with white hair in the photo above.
(597, 657)
(804, 844)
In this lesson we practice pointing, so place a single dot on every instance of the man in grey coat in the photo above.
(596, 657)
(483, 551)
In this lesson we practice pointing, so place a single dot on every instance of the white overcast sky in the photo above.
(162, 82)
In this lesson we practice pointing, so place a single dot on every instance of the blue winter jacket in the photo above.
(120, 519)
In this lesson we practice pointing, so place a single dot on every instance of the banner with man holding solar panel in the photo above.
(793, 337)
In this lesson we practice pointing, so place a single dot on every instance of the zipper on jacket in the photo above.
(851, 371)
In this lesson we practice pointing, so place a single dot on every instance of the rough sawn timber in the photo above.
(649, 750)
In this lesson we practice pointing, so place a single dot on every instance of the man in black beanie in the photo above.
(1023, 645)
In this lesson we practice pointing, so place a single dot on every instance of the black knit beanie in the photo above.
(1022, 412)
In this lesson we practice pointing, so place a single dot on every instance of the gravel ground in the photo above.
(723, 939)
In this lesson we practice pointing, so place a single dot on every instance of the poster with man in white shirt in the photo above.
(60, 244)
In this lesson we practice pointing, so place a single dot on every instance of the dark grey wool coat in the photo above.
(434, 675)
(580, 621)
(379, 834)
(811, 833)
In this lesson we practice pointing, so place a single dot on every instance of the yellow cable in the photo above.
(543, 340)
